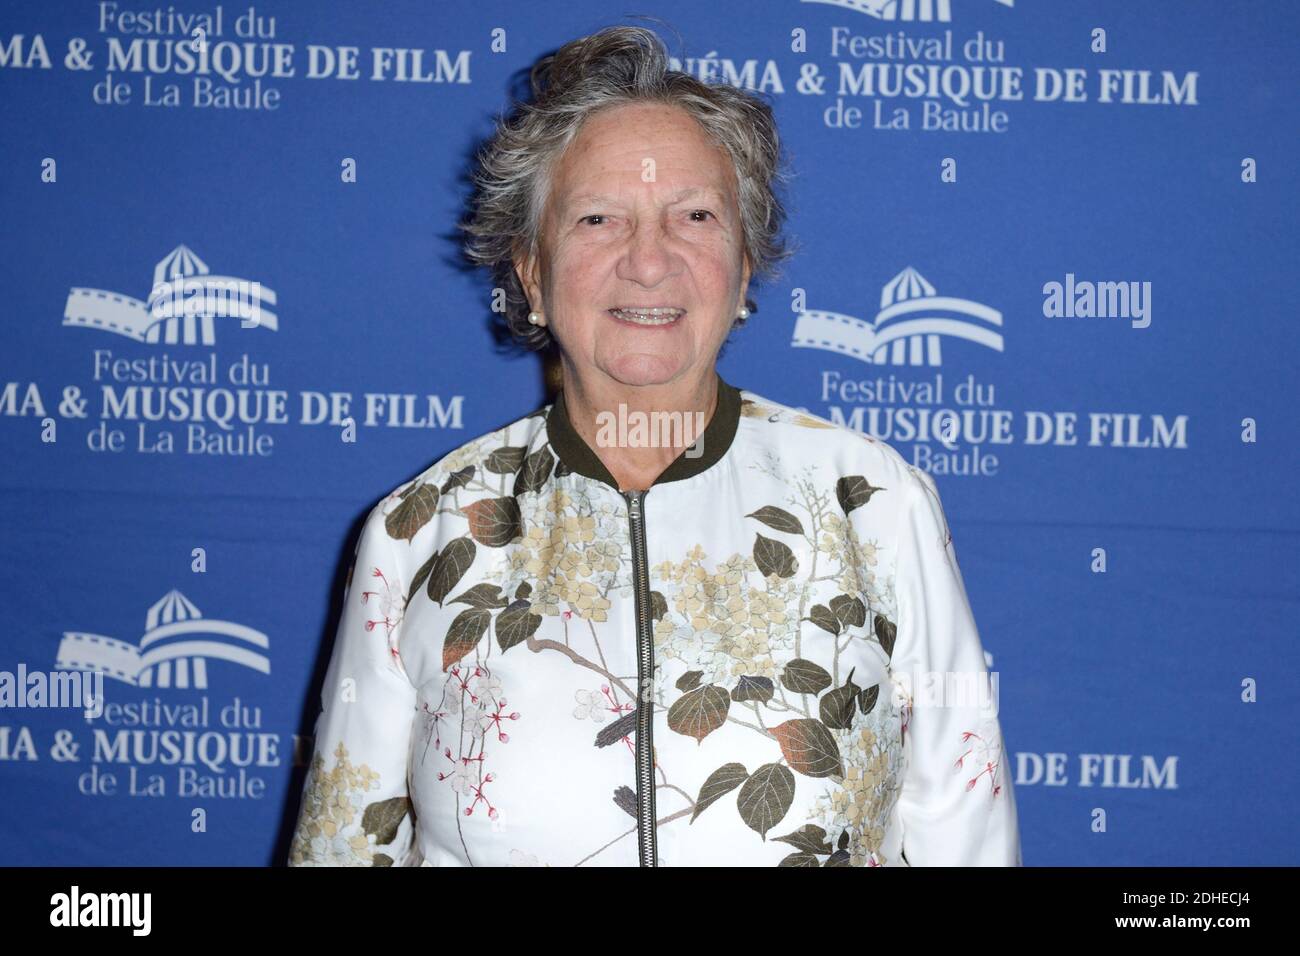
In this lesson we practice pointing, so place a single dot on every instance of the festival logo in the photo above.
(948, 424)
(177, 644)
(171, 737)
(175, 389)
(183, 306)
(217, 60)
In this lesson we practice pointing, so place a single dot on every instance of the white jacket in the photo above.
(817, 694)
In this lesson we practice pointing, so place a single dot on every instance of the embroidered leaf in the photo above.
(404, 521)
(482, 595)
(854, 491)
(836, 708)
(765, 798)
(838, 858)
(421, 575)
(777, 518)
(450, 567)
(774, 557)
(720, 783)
(381, 859)
(383, 818)
(458, 479)
(613, 733)
(505, 461)
(700, 712)
(849, 611)
(494, 522)
(561, 469)
(625, 800)
(464, 634)
(809, 747)
(843, 842)
(523, 590)
(800, 859)
(824, 618)
(810, 838)
(804, 677)
(753, 688)
(690, 680)
(886, 632)
(867, 698)
(537, 468)
(516, 624)
(658, 606)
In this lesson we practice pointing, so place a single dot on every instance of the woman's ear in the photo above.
(526, 268)
(744, 283)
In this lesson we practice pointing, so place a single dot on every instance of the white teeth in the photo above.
(654, 316)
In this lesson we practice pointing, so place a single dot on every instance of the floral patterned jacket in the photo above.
(785, 597)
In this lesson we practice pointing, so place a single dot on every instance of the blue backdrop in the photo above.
(1129, 538)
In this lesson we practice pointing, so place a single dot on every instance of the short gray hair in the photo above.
(615, 66)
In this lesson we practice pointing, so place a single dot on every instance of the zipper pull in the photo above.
(634, 499)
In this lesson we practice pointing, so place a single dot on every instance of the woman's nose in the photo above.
(649, 256)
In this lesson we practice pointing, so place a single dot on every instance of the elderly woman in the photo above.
(661, 621)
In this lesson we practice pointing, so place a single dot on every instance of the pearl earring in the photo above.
(535, 318)
(744, 313)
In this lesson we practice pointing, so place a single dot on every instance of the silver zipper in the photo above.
(645, 768)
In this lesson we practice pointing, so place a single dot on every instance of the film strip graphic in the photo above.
(908, 329)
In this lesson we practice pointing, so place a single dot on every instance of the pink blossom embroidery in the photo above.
(390, 608)
(985, 754)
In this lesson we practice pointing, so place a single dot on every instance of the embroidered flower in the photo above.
(332, 804)
(591, 706)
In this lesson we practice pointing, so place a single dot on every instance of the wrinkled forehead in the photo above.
(713, 194)
(642, 154)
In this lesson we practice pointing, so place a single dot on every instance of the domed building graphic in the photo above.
(909, 328)
(921, 10)
(177, 644)
(185, 304)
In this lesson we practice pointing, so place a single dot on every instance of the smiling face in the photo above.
(642, 214)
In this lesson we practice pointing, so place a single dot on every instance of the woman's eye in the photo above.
(701, 212)
(592, 216)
